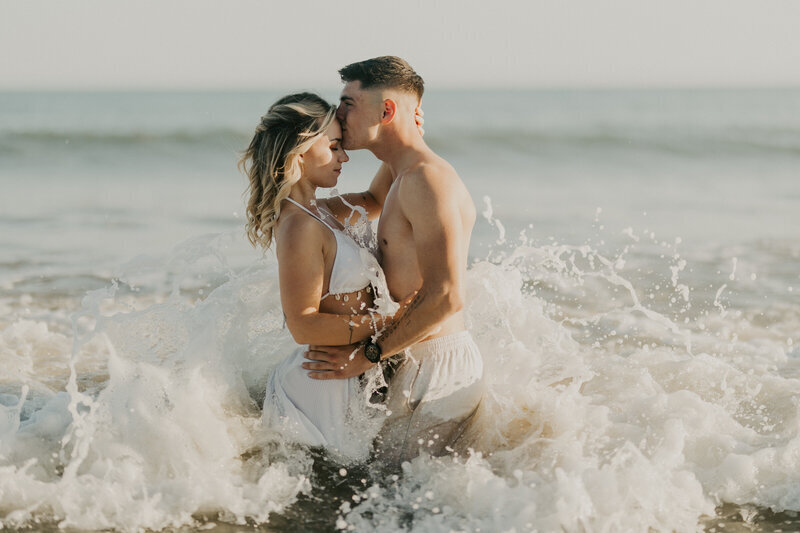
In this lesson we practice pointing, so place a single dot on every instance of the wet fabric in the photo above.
(312, 412)
(432, 398)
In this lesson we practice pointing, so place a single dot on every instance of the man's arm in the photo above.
(371, 200)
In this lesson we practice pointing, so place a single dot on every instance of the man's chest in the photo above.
(395, 236)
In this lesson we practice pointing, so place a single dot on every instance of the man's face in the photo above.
(359, 114)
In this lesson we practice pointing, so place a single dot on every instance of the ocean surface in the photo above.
(634, 287)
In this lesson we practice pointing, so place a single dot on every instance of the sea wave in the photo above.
(32, 141)
(602, 414)
(679, 142)
(675, 142)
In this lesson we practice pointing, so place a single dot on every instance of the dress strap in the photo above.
(311, 213)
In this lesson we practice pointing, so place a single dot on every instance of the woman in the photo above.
(332, 290)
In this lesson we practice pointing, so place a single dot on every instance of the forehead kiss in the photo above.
(334, 132)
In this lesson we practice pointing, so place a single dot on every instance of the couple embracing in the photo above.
(355, 307)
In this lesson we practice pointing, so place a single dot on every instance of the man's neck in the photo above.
(400, 150)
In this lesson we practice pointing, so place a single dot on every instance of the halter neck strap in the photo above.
(311, 213)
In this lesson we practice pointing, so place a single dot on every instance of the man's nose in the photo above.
(340, 113)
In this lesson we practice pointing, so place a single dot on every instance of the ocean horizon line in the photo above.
(429, 89)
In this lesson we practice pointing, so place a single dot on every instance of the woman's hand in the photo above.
(418, 112)
(336, 362)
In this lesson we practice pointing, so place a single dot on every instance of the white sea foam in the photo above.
(606, 409)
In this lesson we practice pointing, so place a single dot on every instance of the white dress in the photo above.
(330, 413)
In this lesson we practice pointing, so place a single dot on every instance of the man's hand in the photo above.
(336, 362)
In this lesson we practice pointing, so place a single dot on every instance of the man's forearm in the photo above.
(426, 311)
(345, 205)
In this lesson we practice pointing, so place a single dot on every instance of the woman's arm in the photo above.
(301, 264)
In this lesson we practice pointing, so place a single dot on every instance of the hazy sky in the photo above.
(452, 43)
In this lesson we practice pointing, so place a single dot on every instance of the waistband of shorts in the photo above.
(441, 344)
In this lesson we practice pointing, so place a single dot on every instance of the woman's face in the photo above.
(322, 162)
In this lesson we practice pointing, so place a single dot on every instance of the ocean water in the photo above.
(633, 287)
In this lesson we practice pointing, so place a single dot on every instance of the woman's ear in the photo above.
(389, 111)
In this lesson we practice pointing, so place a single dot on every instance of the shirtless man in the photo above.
(423, 236)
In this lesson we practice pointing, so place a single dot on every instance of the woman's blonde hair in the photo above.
(271, 162)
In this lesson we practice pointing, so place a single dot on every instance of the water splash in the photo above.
(615, 384)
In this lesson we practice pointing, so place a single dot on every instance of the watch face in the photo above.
(372, 352)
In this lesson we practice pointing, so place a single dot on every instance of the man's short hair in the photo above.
(389, 72)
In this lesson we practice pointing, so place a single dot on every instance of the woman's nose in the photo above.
(344, 157)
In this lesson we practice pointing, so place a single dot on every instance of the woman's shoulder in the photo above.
(294, 227)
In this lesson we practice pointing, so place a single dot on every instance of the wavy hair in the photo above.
(290, 127)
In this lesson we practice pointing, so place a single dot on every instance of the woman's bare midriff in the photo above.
(349, 303)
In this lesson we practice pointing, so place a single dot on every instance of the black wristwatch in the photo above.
(372, 352)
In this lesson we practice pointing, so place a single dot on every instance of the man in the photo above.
(423, 237)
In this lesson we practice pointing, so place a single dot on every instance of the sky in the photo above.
(260, 44)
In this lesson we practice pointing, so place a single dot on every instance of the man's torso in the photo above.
(398, 254)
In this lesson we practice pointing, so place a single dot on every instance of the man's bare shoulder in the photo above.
(431, 175)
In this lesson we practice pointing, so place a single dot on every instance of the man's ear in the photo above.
(389, 111)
